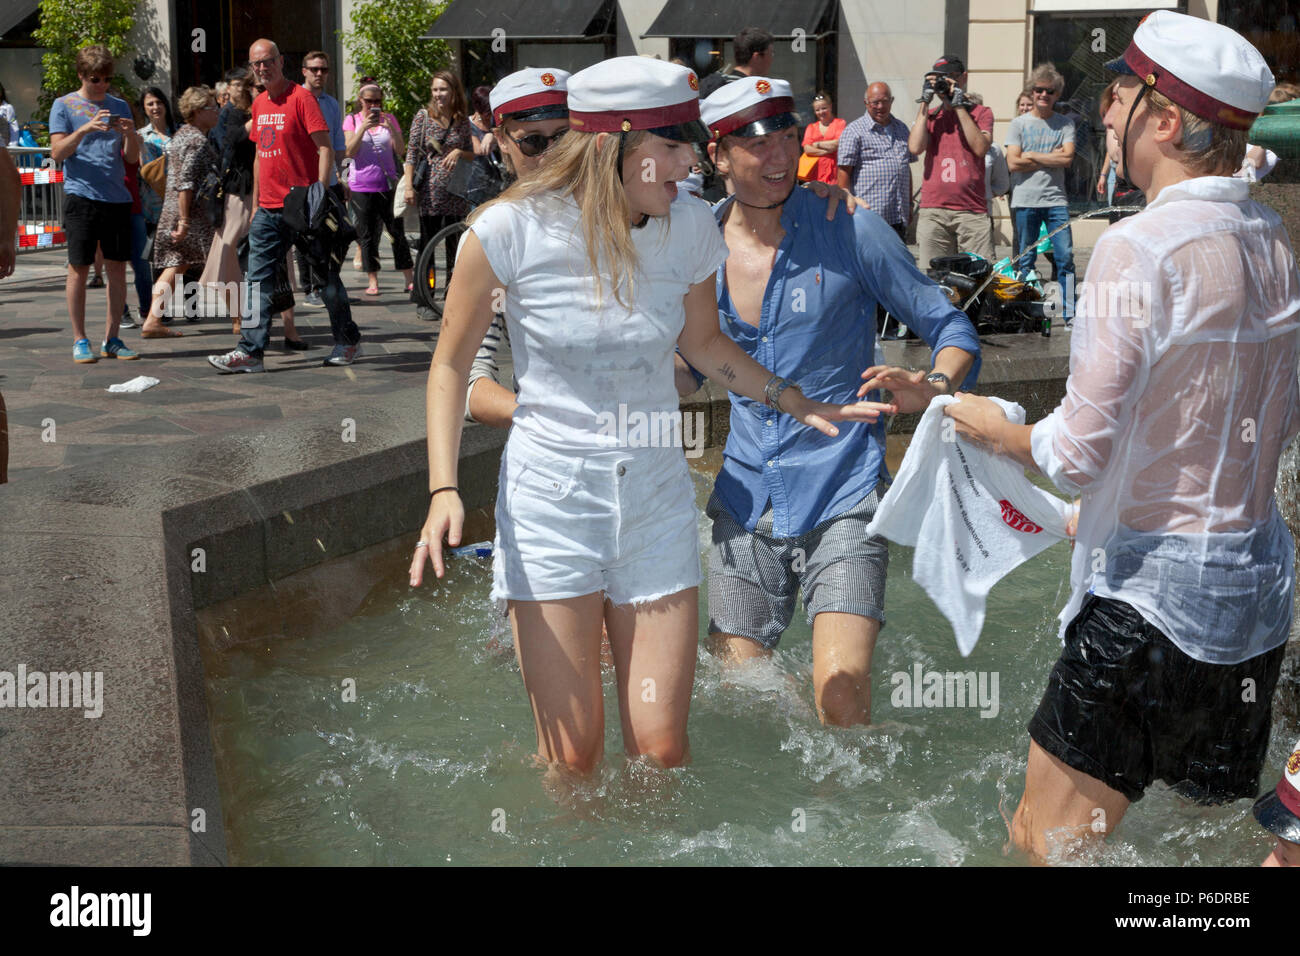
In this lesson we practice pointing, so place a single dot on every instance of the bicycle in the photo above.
(430, 283)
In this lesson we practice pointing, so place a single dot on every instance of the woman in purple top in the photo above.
(374, 144)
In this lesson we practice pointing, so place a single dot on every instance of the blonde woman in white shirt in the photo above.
(602, 271)
(1181, 396)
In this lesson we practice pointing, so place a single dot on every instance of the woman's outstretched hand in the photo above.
(446, 520)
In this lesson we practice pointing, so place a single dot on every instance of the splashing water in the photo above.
(433, 761)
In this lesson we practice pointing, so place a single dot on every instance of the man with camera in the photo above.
(954, 138)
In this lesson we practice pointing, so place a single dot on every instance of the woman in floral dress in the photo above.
(184, 232)
(440, 132)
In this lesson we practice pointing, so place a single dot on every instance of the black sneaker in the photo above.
(295, 345)
(96, 282)
(127, 321)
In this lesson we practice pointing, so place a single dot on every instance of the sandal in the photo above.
(160, 334)
(372, 291)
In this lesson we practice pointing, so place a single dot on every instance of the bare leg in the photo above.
(116, 272)
(1062, 805)
(76, 295)
(654, 647)
(842, 649)
(558, 647)
(733, 649)
(162, 289)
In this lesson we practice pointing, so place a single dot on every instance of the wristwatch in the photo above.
(940, 381)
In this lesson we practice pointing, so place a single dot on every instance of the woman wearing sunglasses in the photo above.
(604, 271)
(374, 144)
(529, 112)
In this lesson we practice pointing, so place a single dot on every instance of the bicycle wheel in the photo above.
(430, 280)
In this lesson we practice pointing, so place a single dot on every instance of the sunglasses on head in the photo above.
(1044, 89)
(534, 144)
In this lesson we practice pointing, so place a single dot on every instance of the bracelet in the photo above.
(773, 389)
(444, 488)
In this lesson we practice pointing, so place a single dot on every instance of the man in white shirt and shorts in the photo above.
(1181, 397)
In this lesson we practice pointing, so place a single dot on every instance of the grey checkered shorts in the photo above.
(755, 578)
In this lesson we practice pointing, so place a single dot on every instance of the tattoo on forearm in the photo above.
(726, 371)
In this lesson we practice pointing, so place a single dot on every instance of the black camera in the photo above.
(936, 84)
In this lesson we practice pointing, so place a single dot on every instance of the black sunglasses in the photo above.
(534, 144)
(1044, 89)
(317, 69)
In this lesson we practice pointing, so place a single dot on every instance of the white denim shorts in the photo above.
(622, 522)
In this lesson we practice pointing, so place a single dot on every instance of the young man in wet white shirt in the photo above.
(1181, 397)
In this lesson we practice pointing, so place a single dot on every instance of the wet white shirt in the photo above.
(577, 360)
(1181, 397)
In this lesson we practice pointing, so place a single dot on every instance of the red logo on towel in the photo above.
(1293, 763)
(548, 79)
(763, 87)
(1018, 522)
(691, 79)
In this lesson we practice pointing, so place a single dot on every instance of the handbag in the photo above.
(154, 174)
(807, 167)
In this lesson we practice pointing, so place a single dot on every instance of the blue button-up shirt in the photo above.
(818, 329)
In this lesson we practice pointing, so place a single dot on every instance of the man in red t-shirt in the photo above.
(954, 138)
(293, 149)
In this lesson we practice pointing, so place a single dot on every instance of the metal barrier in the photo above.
(40, 215)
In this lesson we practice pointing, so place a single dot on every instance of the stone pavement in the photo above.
(41, 383)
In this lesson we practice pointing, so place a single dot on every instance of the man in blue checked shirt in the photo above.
(789, 506)
(873, 159)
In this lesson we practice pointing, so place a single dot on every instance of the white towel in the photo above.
(971, 515)
(137, 384)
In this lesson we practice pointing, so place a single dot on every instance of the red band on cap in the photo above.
(612, 121)
(1289, 796)
(761, 110)
(1186, 95)
(531, 101)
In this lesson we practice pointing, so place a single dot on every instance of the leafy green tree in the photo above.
(68, 25)
(386, 44)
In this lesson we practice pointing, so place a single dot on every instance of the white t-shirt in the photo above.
(577, 361)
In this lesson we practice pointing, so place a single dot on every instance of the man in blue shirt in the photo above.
(799, 294)
(91, 132)
(315, 72)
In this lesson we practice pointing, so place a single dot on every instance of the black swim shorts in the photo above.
(1124, 705)
(90, 223)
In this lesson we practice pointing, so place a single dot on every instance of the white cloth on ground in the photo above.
(971, 515)
(137, 384)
